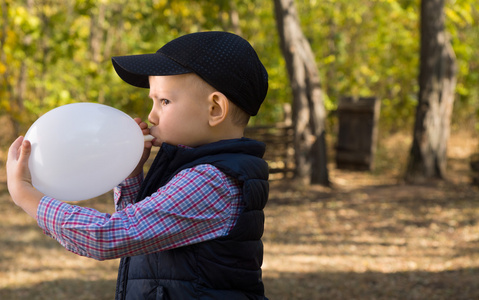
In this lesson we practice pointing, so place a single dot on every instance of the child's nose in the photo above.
(153, 118)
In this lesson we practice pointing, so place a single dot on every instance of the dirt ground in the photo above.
(369, 236)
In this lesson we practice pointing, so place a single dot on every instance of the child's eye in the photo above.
(165, 101)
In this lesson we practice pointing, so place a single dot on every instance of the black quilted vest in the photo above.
(224, 268)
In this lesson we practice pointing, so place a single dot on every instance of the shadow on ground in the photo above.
(455, 284)
(459, 284)
(63, 289)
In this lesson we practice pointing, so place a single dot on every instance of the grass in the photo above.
(369, 236)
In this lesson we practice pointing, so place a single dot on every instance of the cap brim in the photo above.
(135, 69)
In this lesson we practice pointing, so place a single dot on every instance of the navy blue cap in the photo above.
(224, 60)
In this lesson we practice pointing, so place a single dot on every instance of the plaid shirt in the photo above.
(198, 204)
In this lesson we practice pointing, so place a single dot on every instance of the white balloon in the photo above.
(83, 150)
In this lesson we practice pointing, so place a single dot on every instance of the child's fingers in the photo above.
(17, 162)
(140, 122)
(13, 151)
(26, 150)
(143, 125)
(148, 145)
(144, 128)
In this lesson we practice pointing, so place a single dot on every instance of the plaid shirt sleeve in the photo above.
(125, 193)
(198, 204)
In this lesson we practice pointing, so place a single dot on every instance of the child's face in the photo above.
(180, 110)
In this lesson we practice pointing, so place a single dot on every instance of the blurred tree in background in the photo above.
(54, 52)
(437, 84)
(308, 111)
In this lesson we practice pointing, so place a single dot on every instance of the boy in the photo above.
(192, 228)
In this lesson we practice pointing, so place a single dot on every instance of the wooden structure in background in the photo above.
(279, 140)
(357, 136)
(474, 164)
(279, 148)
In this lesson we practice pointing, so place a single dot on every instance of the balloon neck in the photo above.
(148, 137)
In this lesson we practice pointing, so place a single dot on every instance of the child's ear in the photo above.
(219, 108)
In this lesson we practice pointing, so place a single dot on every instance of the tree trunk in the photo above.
(308, 108)
(437, 82)
(234, 15)
(97, 37)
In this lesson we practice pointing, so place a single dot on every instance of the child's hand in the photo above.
(146, 152)
(19, 180)
(18, 174)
